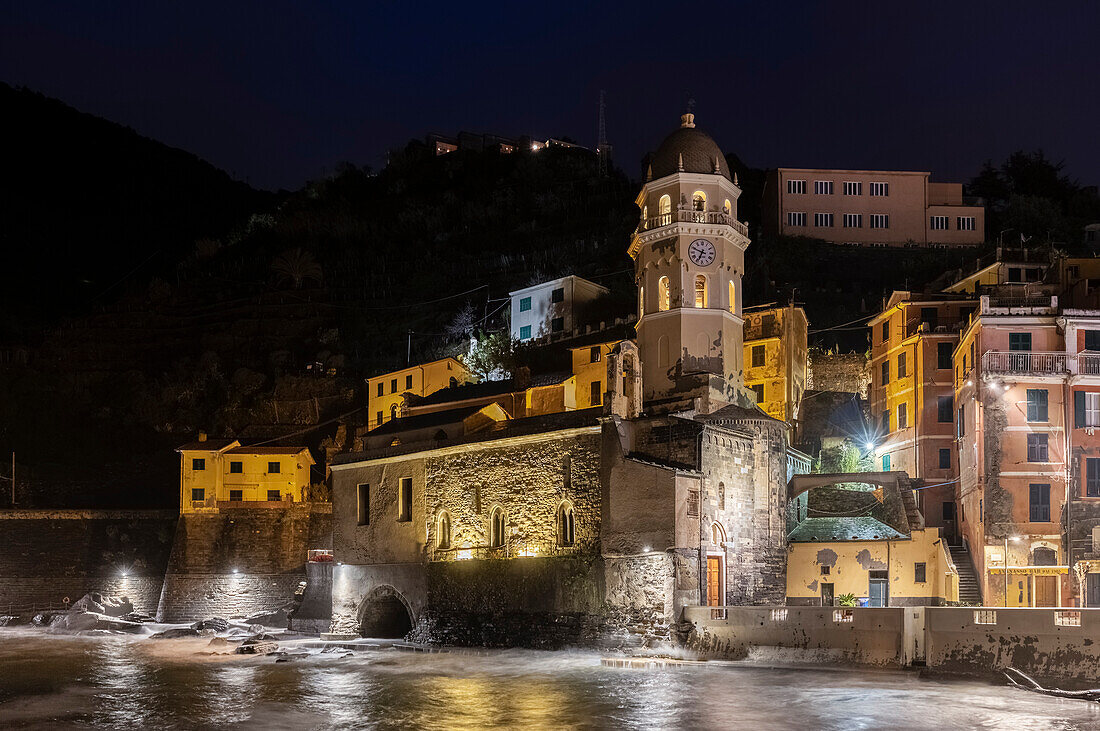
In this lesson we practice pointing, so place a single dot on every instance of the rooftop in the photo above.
(689, 150)
(206, 445)
(862, 528)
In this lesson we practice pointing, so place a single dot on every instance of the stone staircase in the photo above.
(969, 590)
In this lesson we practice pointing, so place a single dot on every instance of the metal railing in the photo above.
(995, 361)
(711, 217)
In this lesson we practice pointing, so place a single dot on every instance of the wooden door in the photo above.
(714, 581)
(1046, 591)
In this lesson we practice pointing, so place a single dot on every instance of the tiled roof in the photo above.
(208, 445)
(424, 421)
(695, 148)
(546, 423)
(468, 391)
(862, 528)
(267, 450)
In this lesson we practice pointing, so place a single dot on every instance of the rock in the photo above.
(72, 621)
(175, 632)
(263, 647)
(139, 617)
(215, 623)
(103, 604)
(278, 619)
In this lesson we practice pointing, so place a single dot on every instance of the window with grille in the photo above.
(823, 187)
(938, 223)
(823, 220)
(853, 220)
(1019, 341)
(796, 218)
(880, 189)
(965, 223)
(758, 352)
(855, 188)
(880, 220)
(525, 304)
(796, 187)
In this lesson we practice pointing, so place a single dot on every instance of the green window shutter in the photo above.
(1078, 409)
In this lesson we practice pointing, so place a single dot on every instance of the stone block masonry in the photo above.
(48, 555)
(240, 561)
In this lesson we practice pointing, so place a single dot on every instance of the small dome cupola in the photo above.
(689, 150)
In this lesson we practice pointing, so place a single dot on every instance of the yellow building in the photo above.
(881, 565)
(386, 393)
(776, 357)
(590, 372)
(220, 473)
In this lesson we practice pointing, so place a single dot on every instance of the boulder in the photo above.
(72, 621)
(111, 606)
(277, 618)
(215, 623)
(175, 632)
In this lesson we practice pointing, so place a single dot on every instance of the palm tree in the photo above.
(297, 266)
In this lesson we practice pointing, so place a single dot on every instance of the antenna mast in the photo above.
(603, 150)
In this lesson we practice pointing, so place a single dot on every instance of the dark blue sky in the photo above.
(277, 92)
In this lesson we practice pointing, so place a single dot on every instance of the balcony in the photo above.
(1088, 364)
(1023, 362)
(705, 217)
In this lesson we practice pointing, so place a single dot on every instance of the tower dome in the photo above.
(688, 150)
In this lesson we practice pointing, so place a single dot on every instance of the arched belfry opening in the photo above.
(384, 614)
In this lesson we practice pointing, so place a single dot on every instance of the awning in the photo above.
(1032, 570)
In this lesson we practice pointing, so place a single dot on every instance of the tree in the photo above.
(492, 355)
(297, 266)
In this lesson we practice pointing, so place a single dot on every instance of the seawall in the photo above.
(47, 556)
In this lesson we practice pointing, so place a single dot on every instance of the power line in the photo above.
(844, 324)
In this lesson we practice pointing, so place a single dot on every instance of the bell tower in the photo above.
(689, 257)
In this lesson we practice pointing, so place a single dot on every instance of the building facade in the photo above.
(549, 308)
(219, 474)
(386, 393)
(776, 360)
(562, 524)
(870, 208)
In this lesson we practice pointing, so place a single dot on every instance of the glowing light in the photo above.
(646, 549)
(527, 552)
(236, 571)
(464, 554)
(869, 445)
(969, 383)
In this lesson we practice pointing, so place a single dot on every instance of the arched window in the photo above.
(698, 201)
(664, 298)
(726, 208)
(641, 301)
(496, 528)
(700, 291)
(733, 298)
(566, 534)
(717, 534)
(443, 531)
(645, 216)
(393, 411)
(664, 205)
(453, 382)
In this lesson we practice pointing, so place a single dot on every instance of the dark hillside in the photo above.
(88, 203)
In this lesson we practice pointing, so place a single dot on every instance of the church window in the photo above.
(733, 297)
(664, 299)
(726, 208)
(566, 525)
(721, 496)
(496, 528)
(645, 215)
(443, 531)
(717, 534)
(641, 301)
(700, 291)
(698, 201)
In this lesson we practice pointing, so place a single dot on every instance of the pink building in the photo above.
(870, 208)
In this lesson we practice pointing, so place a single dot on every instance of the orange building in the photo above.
(912, 398)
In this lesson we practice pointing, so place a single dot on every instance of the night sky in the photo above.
(278, 92)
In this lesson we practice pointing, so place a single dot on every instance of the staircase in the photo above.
(968, 580)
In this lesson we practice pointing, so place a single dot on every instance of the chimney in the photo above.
(202, 436)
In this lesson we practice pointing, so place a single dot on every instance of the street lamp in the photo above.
(1015, 539)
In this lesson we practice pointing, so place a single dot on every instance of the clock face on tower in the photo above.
(701, 252)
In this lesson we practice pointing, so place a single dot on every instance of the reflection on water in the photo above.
(132, 683)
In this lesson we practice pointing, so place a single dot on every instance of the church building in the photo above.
(469, 527)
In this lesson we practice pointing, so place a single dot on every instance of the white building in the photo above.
(551, 307)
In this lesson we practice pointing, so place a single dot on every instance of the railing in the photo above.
(712, 217)
(1088, 364)
(1023, 362)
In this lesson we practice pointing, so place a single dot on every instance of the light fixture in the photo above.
(646, 549)
(236, 571)
(969, 383)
